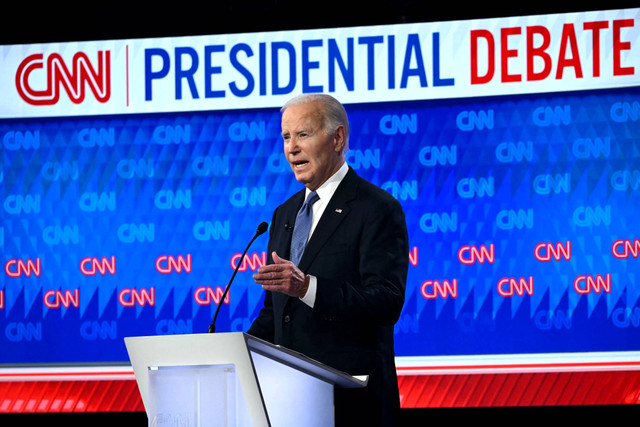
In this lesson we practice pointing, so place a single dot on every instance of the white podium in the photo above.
(232, 379)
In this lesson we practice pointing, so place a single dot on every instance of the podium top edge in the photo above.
(275, 352)
(306, 364)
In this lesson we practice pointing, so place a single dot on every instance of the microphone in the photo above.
(261, 229)
(288, 227)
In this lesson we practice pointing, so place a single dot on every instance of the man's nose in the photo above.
(291, 146)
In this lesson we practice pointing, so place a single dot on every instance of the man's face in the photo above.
(313, 154)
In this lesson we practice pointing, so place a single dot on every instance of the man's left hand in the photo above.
(282, 276)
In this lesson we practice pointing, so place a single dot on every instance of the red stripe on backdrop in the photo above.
(69, 396)
(606, 365)
(416, 391)
(527, 389)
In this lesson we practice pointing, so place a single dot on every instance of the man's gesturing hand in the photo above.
(282, 276)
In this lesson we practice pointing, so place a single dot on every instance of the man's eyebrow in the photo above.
(296, 132)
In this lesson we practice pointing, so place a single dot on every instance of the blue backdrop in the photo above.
(521, 210)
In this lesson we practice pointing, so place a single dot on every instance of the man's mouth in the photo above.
(299, 164)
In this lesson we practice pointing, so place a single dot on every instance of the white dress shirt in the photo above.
(325, 192)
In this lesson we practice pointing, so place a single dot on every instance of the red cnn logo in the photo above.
(205, 294)
(584, 284)
(471, 254)
(90, 266)
(18, 267)
(57, 75)
(510, 286)
(622, 249)
(66, 299)
(544, 252)
(413, 256)
(431, 289)
(130, 297)
(167, 264)
(253, 263)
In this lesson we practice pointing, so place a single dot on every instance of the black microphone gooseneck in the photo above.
(261, 229)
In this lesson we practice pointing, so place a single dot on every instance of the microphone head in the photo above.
(262, 228)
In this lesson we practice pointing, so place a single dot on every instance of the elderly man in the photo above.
(338, 260)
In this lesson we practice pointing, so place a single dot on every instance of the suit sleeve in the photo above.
(375, 293)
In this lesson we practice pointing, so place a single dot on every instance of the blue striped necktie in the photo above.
(302, 227)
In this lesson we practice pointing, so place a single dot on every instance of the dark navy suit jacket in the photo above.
(359, 253)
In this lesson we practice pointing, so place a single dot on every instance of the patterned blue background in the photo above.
(466, 171)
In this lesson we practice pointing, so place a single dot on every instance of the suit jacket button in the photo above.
(287, 319)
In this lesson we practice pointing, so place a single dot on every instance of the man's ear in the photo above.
(339, 139)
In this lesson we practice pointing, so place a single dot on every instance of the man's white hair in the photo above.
(334, 113)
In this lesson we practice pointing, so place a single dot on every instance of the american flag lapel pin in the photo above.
(339, 210)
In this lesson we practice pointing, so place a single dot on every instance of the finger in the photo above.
(267, 279)
(270, 274)
(277, 259)
(269, 268)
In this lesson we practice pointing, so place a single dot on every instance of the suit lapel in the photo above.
(335, 212)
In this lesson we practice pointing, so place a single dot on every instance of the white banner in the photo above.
(488, 57)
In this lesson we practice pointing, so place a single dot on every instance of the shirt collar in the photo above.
(326, 190)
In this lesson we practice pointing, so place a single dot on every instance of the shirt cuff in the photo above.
(310, 297)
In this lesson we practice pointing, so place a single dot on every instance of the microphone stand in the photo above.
(261, 229)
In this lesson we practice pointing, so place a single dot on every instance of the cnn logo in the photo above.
(56, 75)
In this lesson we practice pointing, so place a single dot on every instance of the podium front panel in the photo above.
(205, 396)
